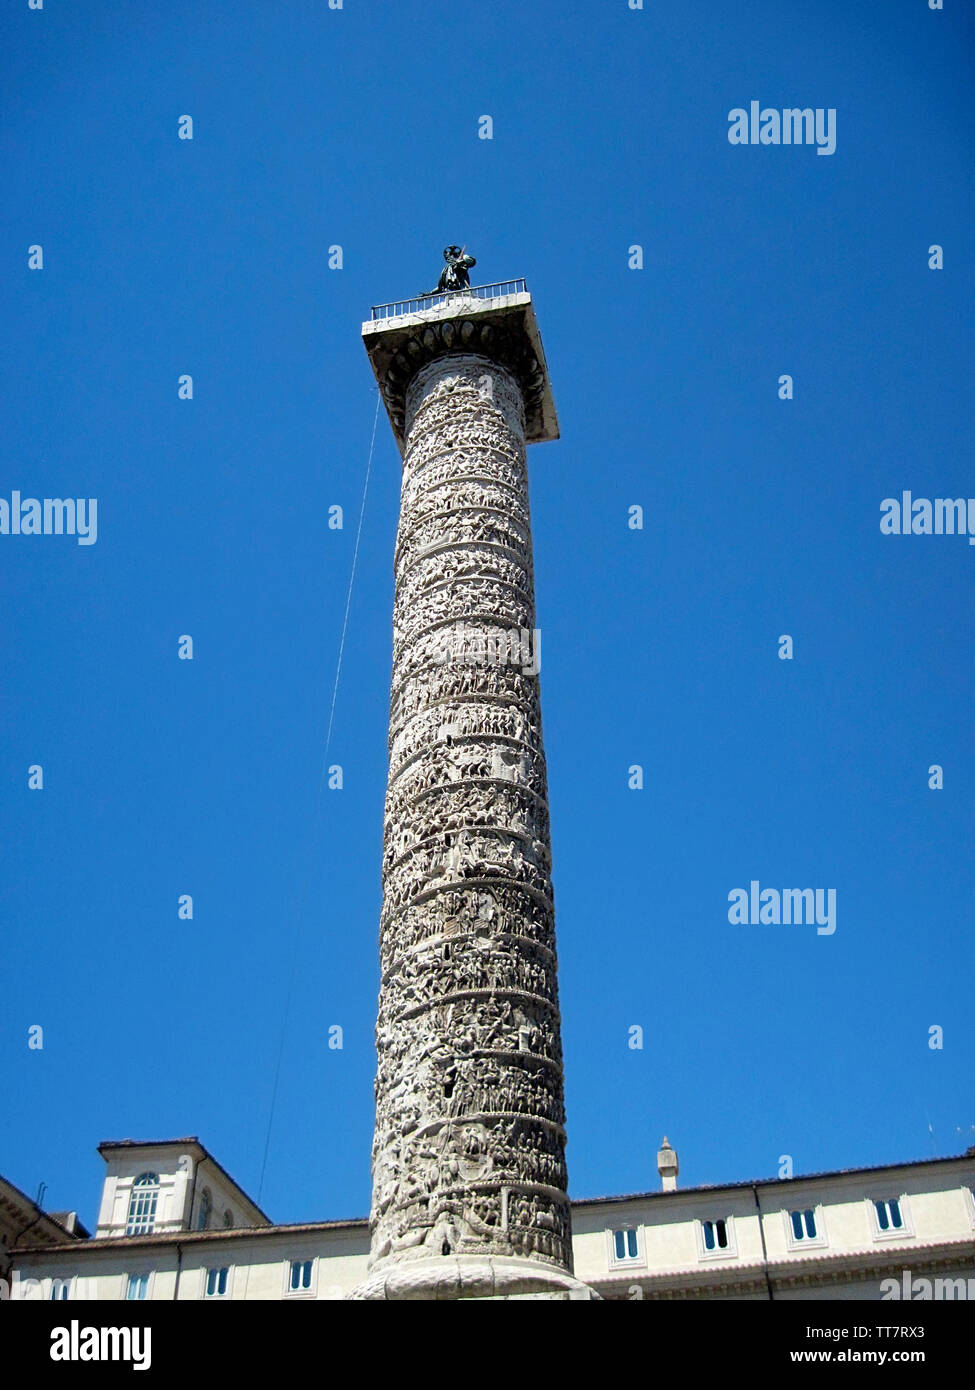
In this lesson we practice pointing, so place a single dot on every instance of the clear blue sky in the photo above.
(162, 777)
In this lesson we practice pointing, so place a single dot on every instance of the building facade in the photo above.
(907, 1230)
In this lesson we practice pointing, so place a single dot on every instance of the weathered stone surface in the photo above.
(502, 327)
(466, 1277)
(469, 1178)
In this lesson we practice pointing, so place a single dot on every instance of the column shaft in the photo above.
(469, 1145)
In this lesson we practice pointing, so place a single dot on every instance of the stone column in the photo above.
(469, 1178)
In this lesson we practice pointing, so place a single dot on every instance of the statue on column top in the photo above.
(454, 275)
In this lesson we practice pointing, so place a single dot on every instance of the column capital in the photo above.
(402, 337)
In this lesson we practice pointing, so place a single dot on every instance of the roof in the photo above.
(69, 1221)
(202, 1237)
(29, 1215)
(658, 1193)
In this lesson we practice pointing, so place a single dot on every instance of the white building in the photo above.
(173, 1224)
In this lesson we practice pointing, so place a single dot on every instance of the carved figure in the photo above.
(469, 1147)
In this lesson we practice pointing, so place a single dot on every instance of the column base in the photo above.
(454, 1277)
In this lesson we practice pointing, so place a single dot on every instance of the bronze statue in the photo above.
(454, 275)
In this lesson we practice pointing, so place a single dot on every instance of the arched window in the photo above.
(889, 1214)
(715, 1235)
(142, 1205)
(228, 1220)
(216, 1282)
(300, 1280)
(625, 1244)
(206, 1207)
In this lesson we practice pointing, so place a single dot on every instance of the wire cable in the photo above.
(318, 805)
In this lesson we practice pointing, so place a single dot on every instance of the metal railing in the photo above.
(432, 301)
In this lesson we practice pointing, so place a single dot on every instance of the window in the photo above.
(203, 1215)
(715, 1235)
(889, 1215)
(803, 1224)
(60, 1288)
(216, 1282)
(625, 1245)
(228, 1219)
(805, 1228)
(142, 1205)
(138, 1286)
(716, 1238)
(300, 1280)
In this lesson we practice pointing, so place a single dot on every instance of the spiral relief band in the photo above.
(469, 1175)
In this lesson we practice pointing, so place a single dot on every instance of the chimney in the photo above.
(667, 1166)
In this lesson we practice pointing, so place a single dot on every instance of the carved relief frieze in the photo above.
(469, 1147)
